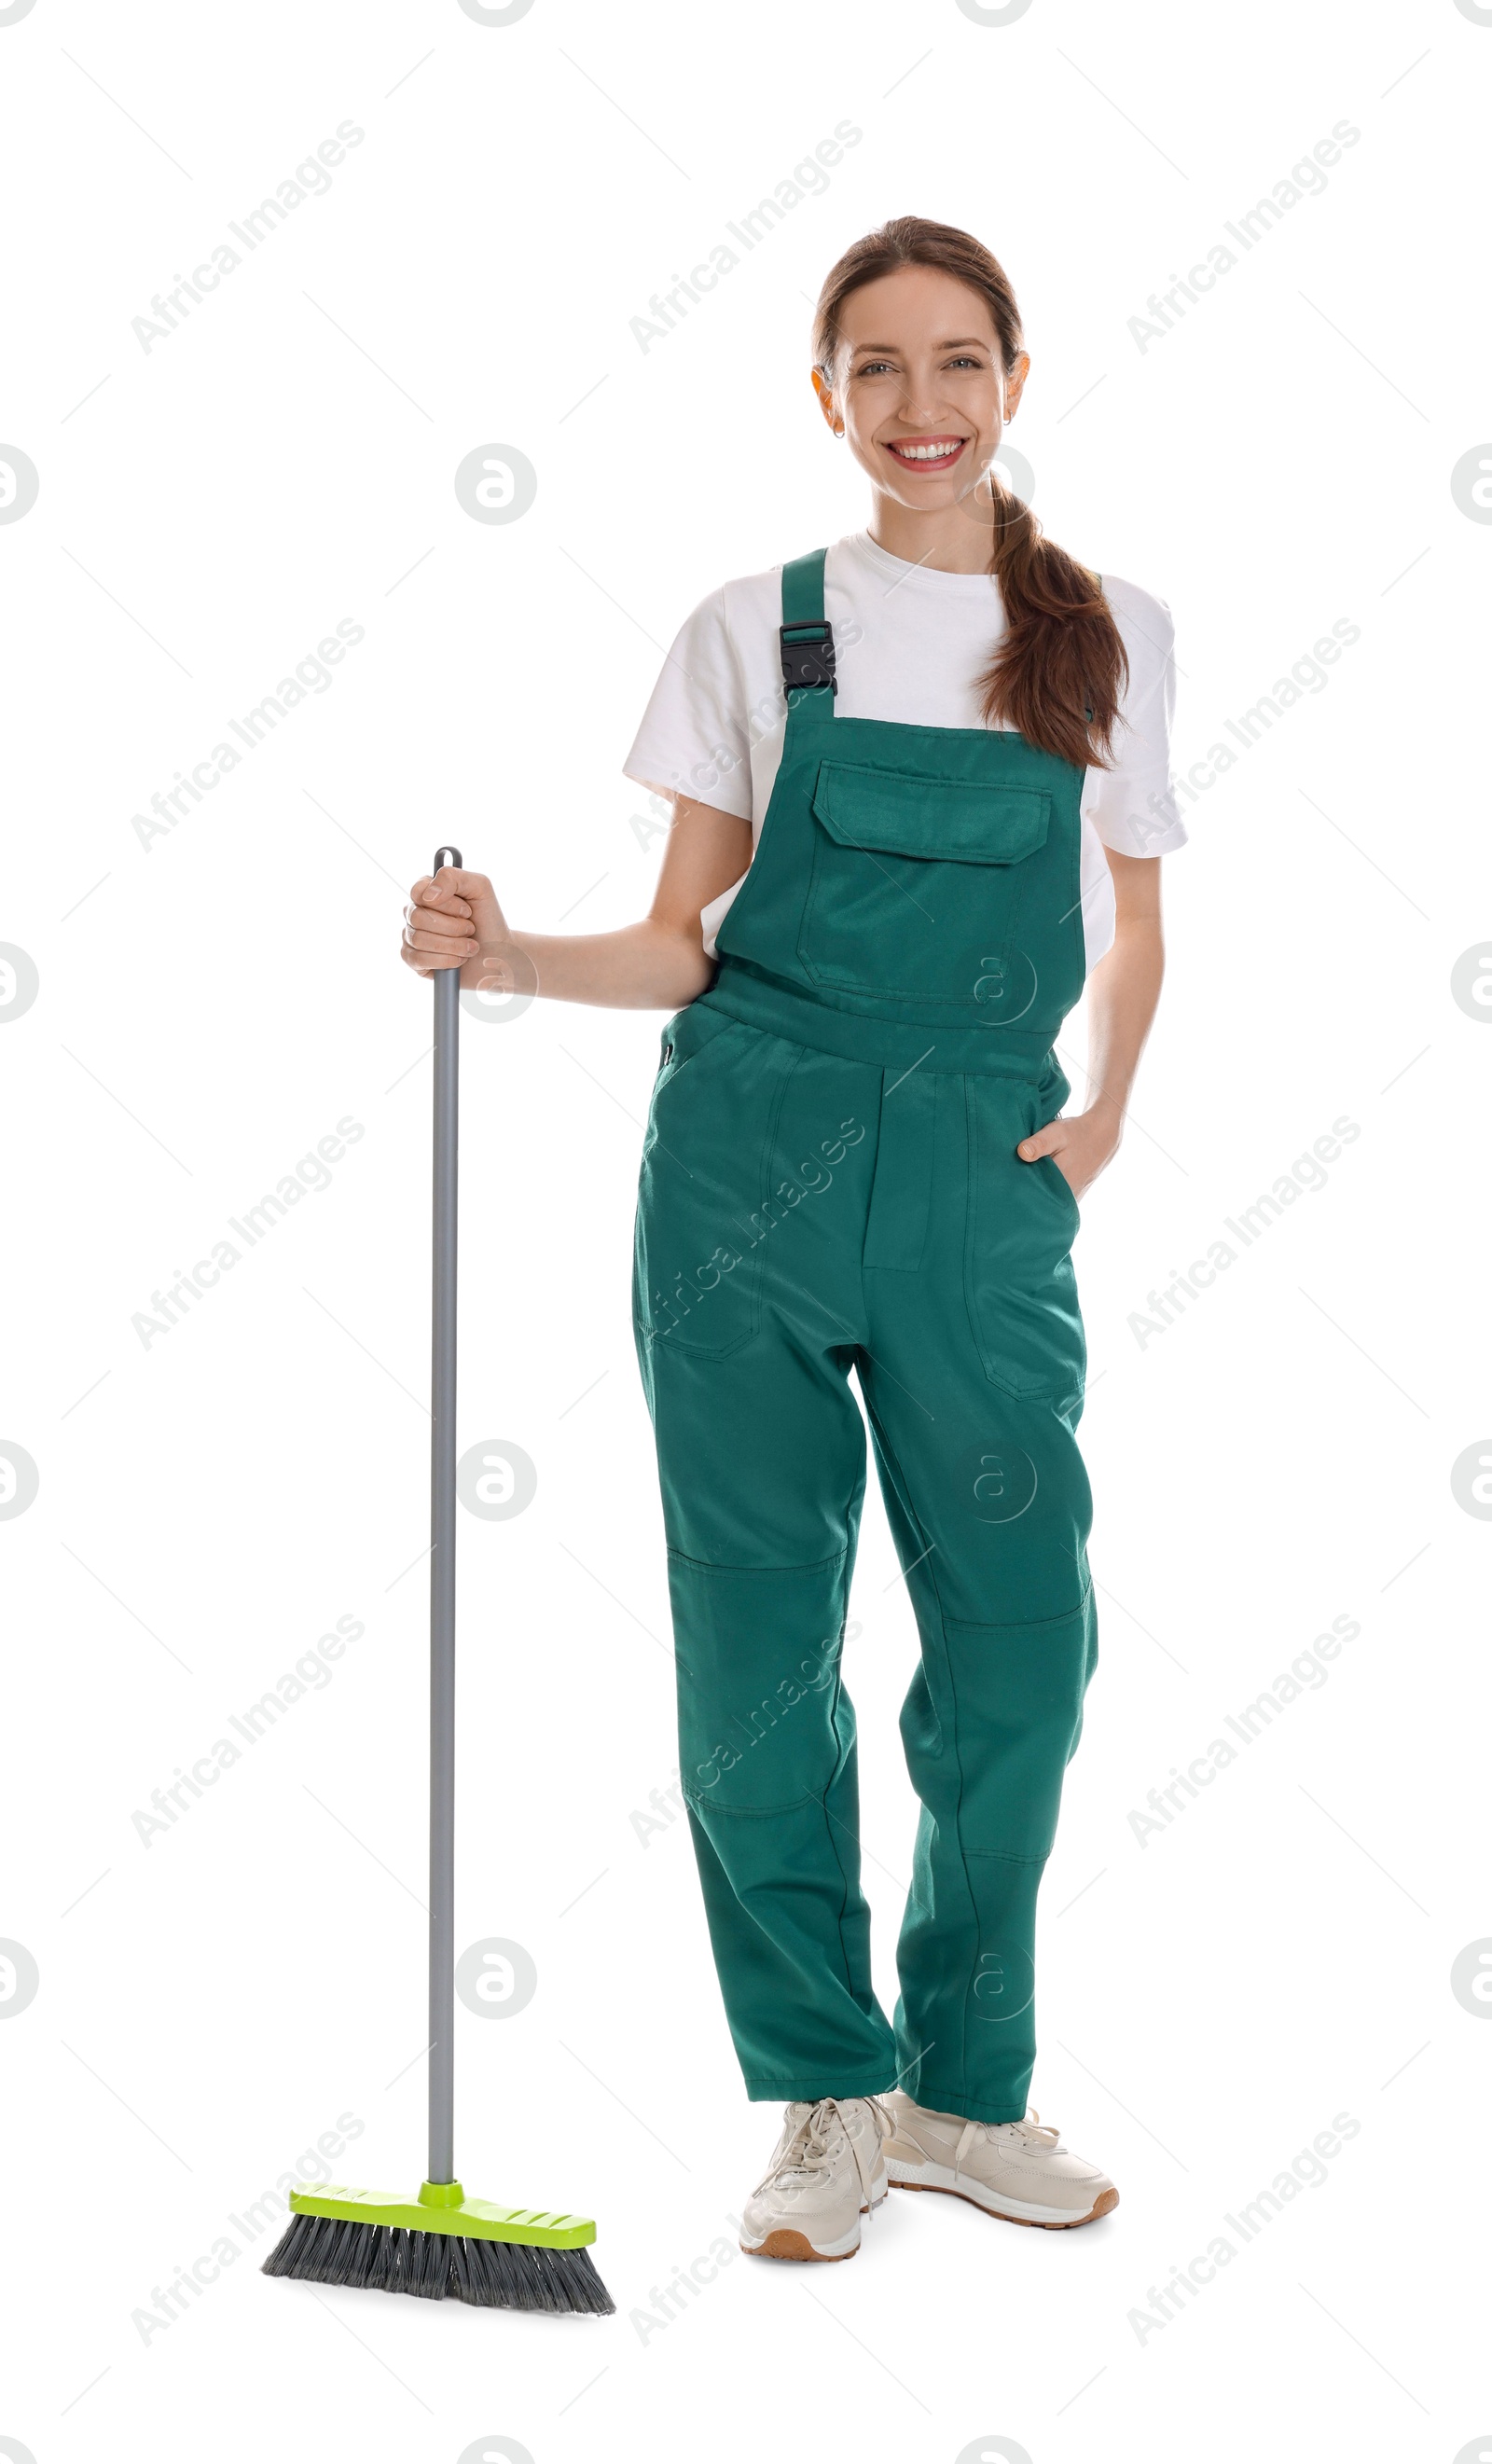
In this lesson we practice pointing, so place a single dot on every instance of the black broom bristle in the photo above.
(435, 2266)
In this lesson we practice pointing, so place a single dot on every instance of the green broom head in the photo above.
(442, 2246)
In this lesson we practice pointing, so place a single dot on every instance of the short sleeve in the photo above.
(1132, 805)
(694, 738)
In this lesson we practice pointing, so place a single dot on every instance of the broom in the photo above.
(442, 2243)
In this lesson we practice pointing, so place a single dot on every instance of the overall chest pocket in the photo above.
(918, 888)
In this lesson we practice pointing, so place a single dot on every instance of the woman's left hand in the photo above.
(1079, 1147)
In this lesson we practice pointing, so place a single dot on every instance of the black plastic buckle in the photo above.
(807, 656)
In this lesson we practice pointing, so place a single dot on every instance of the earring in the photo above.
(839, 430)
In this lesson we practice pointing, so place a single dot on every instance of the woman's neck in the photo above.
(955, 539)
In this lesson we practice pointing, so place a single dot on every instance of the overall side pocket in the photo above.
(1019, 1279)
(697, 1274)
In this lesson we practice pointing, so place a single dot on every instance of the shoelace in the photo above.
(814, 2143)
(1033, 2132)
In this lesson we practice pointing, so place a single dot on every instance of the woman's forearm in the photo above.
(648, 966)
(1123, 991)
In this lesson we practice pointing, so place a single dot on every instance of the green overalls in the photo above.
(830, 1182)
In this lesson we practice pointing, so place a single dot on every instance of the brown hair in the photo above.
(1060, 666)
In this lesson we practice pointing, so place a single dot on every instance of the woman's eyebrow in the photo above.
(959, 343)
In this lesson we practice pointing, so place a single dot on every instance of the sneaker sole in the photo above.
(785, 2243)
(1102, 2206)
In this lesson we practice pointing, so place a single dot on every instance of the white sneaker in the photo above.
(1016, 2169)
(827, 2173)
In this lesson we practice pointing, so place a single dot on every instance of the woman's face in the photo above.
(918, 386)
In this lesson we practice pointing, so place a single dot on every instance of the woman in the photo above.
(921, 787)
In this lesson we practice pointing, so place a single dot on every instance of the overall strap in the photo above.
(807, 640)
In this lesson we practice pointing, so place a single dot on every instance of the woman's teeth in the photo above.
(928, 453)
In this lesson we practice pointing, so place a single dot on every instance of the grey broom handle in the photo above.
(443, 1569)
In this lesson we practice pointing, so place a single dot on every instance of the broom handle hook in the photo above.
(443, 1568)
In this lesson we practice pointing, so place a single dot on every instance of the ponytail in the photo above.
(1060, 666)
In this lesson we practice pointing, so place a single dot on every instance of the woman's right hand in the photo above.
(453, 921)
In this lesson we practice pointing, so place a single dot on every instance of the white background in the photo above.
(208, 1505)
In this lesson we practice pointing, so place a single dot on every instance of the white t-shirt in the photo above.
(911, 645)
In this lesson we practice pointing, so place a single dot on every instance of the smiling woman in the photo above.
(876, 928)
